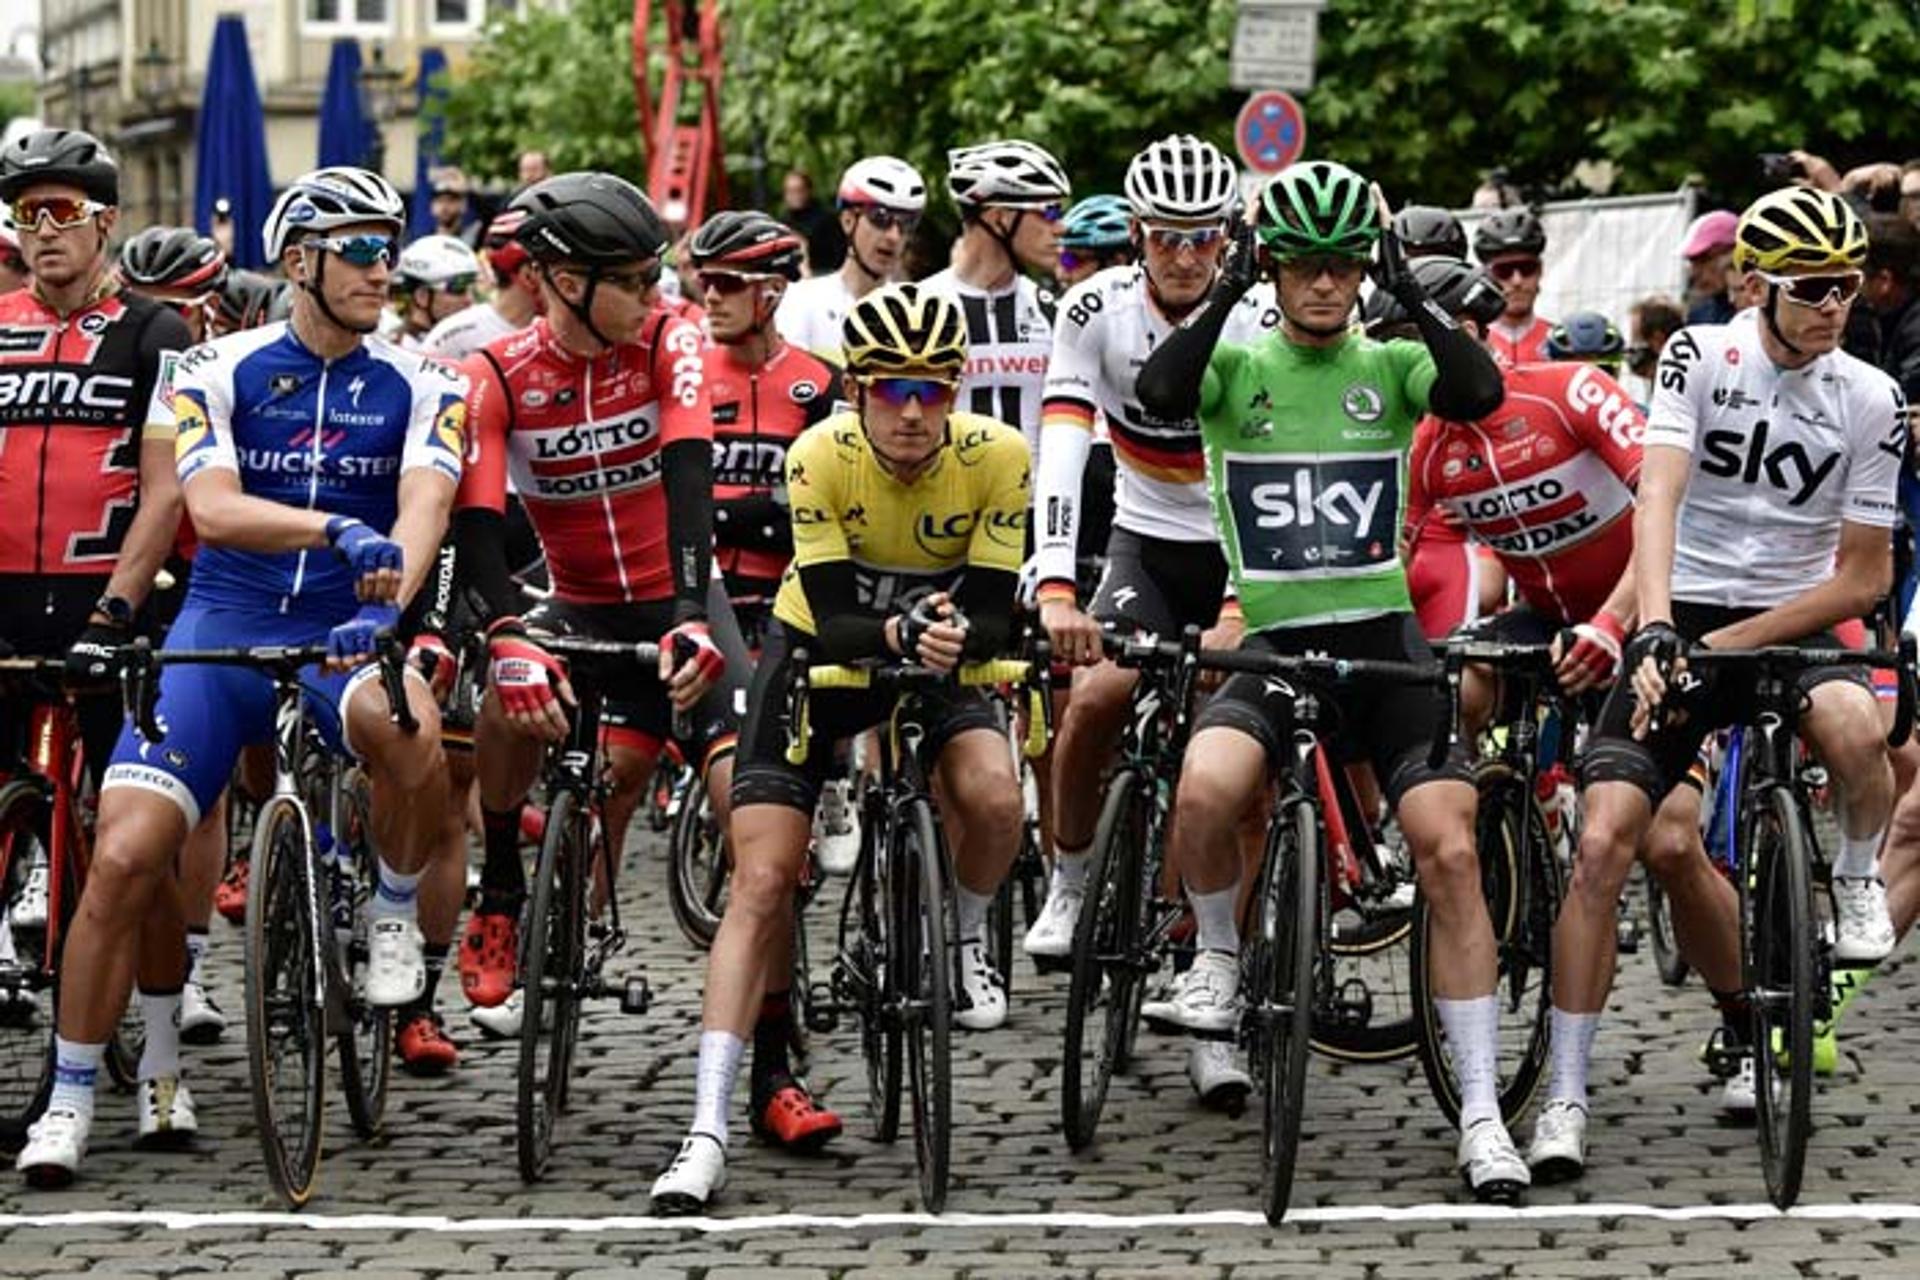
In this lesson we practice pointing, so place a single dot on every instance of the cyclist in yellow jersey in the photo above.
(909, 526)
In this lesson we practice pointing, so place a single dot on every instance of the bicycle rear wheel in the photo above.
(1780, 953)
(364, 1036)
(1109, 968)
(1666, 947)
(1285, 945)
(697, 868)
(286, 1010)
(28, 985)
(924, 960)
(552, 959)
(872, 970)
(1520, 878)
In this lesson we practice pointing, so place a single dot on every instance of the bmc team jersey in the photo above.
(811, 312)
(581, 438)
(757, 414)
(1306, 458)
(1546, 481)
(905, 540)
(1514, 347)
(75, 395)
(1781, 458)
(465, 332)
(1104, 331)
(324, 435)
(1009, 338)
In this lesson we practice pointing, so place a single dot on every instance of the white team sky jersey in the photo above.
(465, 332)
(1009, 339)
(1781, 457)
(811, 313)
(1104, 330)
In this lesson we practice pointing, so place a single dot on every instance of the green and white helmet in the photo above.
(1318, 208)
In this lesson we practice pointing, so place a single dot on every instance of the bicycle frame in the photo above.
(52, 765)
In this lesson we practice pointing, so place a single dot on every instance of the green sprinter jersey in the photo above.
(1307, 465)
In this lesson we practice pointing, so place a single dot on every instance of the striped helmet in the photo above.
(1182, 178)
(1799, 227)
(905, 329)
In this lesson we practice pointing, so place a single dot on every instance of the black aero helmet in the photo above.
(1425, 229)
(60, 155)
(1585, 335)
(245, 299)
(172, 258)
(1456, 287)
(590, 219)
(1509, 231)
(748, 242)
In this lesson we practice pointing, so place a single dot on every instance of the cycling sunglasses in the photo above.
(728, 283)
(64, 212)
(1818, 291)
(1312, 268)
(932, 393)
(1048, 213)
(362, 250)
(1515, 269)
(637, 280)
(1174, 239)
(885, 219)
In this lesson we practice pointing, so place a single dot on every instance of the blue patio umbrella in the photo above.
(346, 134)
(231, 149)
(433, 135)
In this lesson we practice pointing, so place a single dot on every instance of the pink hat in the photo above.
(1710, 233)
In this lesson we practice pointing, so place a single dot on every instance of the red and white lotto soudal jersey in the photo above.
(1511, 348)
(1545, 481)
(582, 440)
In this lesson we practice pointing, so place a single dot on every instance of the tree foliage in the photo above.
(1424, 95)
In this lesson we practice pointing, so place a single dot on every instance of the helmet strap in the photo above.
(314, 290)
(1005, 238)
(1773, 320)
(583, 309)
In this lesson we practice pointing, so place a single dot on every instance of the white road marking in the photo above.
(1870, 1211)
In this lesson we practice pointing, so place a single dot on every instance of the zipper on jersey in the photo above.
(606, 499)
(40, 489)
(313, 478)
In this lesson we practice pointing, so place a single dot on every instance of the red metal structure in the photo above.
(685, 172)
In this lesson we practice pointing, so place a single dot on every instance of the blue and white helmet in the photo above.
(330, 198)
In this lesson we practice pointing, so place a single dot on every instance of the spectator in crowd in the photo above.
(1711, 276)
(1652, 321)
(1910, 192)
(449, 206)
(817, 225)
(534, 167)
(1892, 272)
(13, 264)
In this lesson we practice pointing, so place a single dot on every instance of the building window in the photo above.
(348, 17)
(466, 17)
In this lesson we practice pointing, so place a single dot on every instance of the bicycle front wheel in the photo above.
(286, 1006)
(1108, 964)
(1284, 947)
(1666, 947)
(27, 981)
(697, 867)
(1781, 946)
(552, 958)
(923, 908)
(364, 1037)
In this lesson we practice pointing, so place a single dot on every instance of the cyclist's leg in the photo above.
(201, 863)
(979, 800)
(1842, 725)
(1704, 905)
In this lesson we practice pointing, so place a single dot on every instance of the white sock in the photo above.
(1572, 1045)
(196, 952)
(1070, 867)
(713, 1079)
(970, 912)
(396, 895)
(1213, 918)
(1859, 857)
(1473, 1042)
(161, 1057)
(75, 1067)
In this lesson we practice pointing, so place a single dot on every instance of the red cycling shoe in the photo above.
(793, 1120)
(489, 957)
(230, 896)
(424, 1047)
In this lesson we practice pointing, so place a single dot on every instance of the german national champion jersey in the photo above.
(1306, 462)
(465, 332)
(811, 312)
(1104, 330)
(582, 439)
(1546, 481)
(1781, 458)
(326, 435)
(1009, 338)
(905, 540)
(75, 396)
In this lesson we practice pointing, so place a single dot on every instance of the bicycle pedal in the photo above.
(635, 995)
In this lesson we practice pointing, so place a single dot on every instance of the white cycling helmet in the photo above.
(330, 198)
(1011, 172)
(1181, 177)
(886, 181)
(436, 262)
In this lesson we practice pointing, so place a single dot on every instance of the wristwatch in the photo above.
(115, 609)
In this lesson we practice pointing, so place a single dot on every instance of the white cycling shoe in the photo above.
(1490, 1164)
(836, 828)
(698, 1174)
(1558, 1152)
(166, 1114)
(1051, 937)
(1217, 1078)
(396, 968)
(56, 1144)
(201, 1021)
(980, 1000)
(1863, 929)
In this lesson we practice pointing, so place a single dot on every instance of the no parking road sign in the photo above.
(1271, 131)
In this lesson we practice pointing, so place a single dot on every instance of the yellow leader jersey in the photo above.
(906, 541)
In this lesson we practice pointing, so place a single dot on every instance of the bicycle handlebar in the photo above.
(1782, 659)
(1034, 673)
(141, 694)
